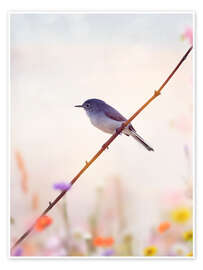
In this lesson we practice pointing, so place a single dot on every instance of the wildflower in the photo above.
(103, 242)
(87, 236)
(181, 215)
(108, 252)
(98, 241)
(179, 249)
(150, 251)
(53, 242)
(23, 171)
(18, 252)
(62, 186)
(35, 201)
(190, 253)
(125, 247)
(188, 235)
(12, 220)
(78, 235)
(107, 242)
(43, 222)
(164, 226)
(29, 249)
(188, 34)
(186, 150)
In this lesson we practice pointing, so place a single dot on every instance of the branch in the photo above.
(105, 146)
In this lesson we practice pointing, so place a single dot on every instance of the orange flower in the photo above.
(103, 242)
(35, 201)
(29, 249)
(107, 242)
(98, 241)
(23, 171)
(164, 226)
(42, 223)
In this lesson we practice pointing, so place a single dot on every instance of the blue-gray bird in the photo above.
(108, 119)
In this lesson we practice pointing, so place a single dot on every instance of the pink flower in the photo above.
(188, 34)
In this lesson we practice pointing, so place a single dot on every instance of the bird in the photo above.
(108, 119)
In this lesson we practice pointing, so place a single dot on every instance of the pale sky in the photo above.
(156, 29)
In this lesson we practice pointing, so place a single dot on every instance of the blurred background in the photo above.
(130, 202)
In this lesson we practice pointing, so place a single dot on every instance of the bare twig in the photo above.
(105, 146)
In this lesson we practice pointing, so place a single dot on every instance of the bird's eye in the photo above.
(87, 105)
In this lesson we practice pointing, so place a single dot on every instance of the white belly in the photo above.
(104, 123)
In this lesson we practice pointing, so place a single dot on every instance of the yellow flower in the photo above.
(188, 235)
(182, 37)
(150, 251)
(181, 215)
(190, 253)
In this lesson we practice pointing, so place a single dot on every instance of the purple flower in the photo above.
(108, 252)
(186, 150)
(62, 186)
(18, 252)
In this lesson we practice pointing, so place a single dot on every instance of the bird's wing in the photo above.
(113, 114)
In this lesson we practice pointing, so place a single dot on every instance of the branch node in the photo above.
(157, 93)
(104, 146)
(86, 162)
(50, 203)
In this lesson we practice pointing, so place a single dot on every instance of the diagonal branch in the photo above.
(105, 146)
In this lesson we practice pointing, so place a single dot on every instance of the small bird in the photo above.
(108, 119)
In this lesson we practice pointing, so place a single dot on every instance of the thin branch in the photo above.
(105, 146)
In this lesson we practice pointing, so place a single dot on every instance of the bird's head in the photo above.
(92, 105)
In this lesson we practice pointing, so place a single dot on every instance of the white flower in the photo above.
(180, 249)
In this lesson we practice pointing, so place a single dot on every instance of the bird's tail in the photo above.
(141, 140)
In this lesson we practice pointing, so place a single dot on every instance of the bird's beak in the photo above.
(79, 106)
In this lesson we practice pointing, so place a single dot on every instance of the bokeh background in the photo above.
(130, 202)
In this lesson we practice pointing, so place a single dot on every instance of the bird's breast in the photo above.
(104, 123)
